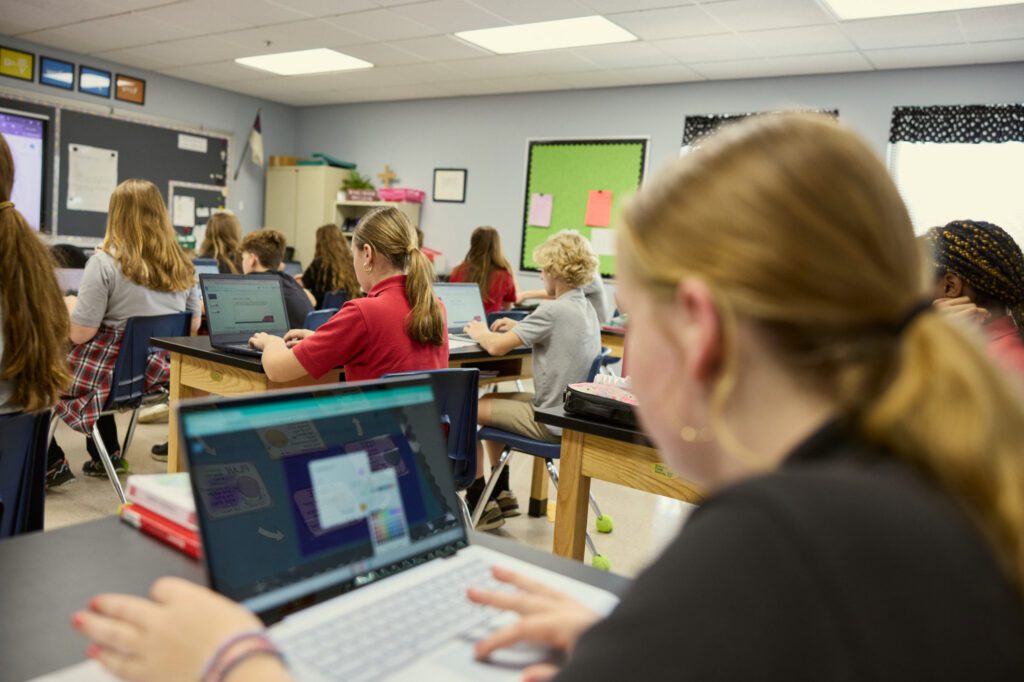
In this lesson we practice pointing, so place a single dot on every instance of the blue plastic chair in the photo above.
(456, 393)
(516, 315)
(513, 442)
(23, 443)
(607, 359)
(315, 318)
(334, 299)
(129, 381)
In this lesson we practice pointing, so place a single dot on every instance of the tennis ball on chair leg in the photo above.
(604, 524)
(601, 562)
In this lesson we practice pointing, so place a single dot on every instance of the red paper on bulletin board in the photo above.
(599, 208)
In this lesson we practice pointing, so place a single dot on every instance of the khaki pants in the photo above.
(514, 412)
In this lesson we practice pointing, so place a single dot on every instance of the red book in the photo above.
(151, 523)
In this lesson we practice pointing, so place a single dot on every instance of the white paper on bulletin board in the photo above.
(183, 211)
(92, 177)
(603, 241)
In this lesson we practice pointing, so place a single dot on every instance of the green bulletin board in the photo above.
(568, 171)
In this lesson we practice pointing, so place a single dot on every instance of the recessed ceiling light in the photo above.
(319, 60)
(863, 9)
(548, 35)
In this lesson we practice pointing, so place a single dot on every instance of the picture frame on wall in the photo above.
(56, 73)
(450, 185)
(130, 89)
(93, 81)
(17, 64)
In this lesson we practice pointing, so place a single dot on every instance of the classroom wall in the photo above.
(487, 135)
(192, 105)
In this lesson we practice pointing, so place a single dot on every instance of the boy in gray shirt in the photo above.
(565, 336)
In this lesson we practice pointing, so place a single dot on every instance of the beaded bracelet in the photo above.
(260, 646)
(215, 658)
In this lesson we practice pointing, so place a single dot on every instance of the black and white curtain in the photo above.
(970, 124)
(696, 127)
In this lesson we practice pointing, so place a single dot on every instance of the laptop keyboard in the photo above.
(386, 635)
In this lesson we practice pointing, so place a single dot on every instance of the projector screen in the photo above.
(24, 135)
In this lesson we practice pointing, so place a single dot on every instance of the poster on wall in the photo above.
(17, 64)
(129, 89)
(94, 81)
(57, 73)
(92, 177)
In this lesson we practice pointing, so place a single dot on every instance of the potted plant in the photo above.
(358, 187)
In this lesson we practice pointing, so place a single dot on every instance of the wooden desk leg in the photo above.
(175, 459)
(573, 494)
(539, 489)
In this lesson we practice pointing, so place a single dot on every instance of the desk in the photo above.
(592, 449)
(50, 575)
(614, 338)
(198, 369)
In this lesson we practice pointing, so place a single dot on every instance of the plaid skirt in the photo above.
(92, 373)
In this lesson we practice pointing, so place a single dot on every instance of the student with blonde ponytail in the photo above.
(399, 326)
(862, 459)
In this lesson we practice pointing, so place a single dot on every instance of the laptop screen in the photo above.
(205, 266)
(70, 279)
(303, 492)
(293, 267)
(238, 306)
(462, 303)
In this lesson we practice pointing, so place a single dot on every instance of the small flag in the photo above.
(256, 142)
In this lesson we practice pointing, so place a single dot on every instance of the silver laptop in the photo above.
(70, 279)
(238, 306)
(463, 304)
(331, 512)
(206, 266)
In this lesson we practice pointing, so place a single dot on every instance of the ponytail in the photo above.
(426, 320)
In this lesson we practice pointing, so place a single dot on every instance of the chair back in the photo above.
(334, 299)
(595, 366)
(129, 382)
(510, 314)
(315, 318)
(23, 443)
(456, 392)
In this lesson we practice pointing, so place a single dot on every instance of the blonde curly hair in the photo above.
(567, 256)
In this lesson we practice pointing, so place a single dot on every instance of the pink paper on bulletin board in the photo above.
(540, 210)
(599, 208)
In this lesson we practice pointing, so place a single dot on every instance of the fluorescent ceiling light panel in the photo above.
(548, 35)
(320, 60)
(864, 9)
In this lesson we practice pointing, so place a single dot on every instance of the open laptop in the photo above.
(463, 304)
(306, 495)
(293, 267)
(238, 306)
(70, 279)
(205, 266)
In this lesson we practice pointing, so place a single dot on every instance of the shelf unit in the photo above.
(357, 209)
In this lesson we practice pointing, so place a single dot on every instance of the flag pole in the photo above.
(248, 138)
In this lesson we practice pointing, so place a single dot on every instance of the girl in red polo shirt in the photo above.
(398, 327)
(486, 266)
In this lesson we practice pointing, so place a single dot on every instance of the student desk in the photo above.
(50, 575)
(199, 369)
(592, 449)
(613, 338)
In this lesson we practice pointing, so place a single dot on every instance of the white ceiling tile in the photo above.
(707, 48)
(498, 86)
(531, 11)
(108, 33)
(784, 66)
(795, 41)
(908, 31)
(382, 24)
(450, 16)
(625, 55)
(754, 15)
(187, 52)
(673, 73)
(917, 57)
(259, 12)
(515, 65)
(430, 72)
(406, 92)
(13, 28)
(300, 35)
(219, 72)
(137, 58)
(197, 17)
(382, 54)
(999, 51)
(612, 6)
(439, 47)
(33, 15)
(674, 22)
(133, 5)
(993, 23)
(396, 3)
(325, 8)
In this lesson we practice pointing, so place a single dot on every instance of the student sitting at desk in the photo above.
(398, 327)
(33, 352)
(486, 266)
(863, 457)
(223, 242)
(263, 252)
(593, 290)
(565, 337)
(139, 271)
(331, 269)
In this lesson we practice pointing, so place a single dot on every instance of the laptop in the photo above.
(293, 267)
(238, 306)
(463, 304)
(331, 513)
(70, 279)
(206, 266)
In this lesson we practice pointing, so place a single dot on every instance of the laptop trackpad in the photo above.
(456, 661)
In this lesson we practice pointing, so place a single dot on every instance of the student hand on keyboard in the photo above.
(547, 617)
(292, 338)
(263, 340)
(475, 329)
(503, 324)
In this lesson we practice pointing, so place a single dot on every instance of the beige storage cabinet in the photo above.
(298, 200)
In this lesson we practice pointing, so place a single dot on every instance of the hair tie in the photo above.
(6, 204)
(910, 315)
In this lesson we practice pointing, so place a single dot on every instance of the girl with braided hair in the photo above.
(979, 274)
